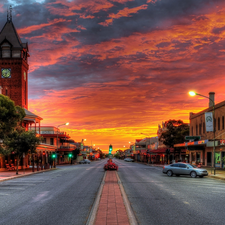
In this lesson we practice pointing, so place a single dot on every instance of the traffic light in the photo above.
(110, 149)
(53, 155)
(70, 155)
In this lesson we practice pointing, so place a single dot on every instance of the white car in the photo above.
(128, 160)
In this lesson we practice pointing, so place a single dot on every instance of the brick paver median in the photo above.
(111, 210)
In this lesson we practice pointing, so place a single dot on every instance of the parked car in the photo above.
(85, 161)
(128, 160)
(184, 169)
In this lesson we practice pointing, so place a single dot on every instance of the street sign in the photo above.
(196, 138)
(187, 152)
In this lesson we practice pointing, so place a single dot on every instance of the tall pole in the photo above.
(214, 131)
(57, 147)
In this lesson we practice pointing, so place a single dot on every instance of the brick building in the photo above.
(14, 68)
(201, 151)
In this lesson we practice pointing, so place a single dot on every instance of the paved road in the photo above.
(158, 199)
(60, 197)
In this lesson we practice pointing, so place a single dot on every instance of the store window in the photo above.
(223, 123)
(51, 141)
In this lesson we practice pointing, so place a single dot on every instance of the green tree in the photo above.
(175, 133)
(11, 116)
(21, 142)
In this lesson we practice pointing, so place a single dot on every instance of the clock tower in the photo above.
(13, 64)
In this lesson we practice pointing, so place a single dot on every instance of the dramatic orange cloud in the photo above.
(126, 12)
(117, 68)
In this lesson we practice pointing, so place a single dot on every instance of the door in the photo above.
(183, 169)
(209, 158)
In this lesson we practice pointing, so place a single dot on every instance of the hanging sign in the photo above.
(209, 121)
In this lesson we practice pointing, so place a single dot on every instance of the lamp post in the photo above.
(192, 93)
(57, 138)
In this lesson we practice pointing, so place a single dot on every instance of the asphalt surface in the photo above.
(62, 196)
(158, 199)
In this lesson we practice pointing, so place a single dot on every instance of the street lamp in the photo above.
(192, 93)
(57, 137)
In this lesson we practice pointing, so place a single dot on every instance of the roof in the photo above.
(31, 116)
(9, 33)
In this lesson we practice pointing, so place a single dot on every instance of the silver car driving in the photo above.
(184, 169)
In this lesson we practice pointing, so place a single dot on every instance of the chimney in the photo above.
(211, 96)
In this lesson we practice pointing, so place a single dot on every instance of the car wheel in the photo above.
(193, 174)
(177, 175)
(169, 173)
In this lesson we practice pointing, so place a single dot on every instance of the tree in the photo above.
(175, 133)
(11, 116)
(21, 142)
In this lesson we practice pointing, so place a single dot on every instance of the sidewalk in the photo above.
(111, 209)
(8, 175)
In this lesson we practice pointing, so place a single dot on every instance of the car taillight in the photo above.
(164, 167)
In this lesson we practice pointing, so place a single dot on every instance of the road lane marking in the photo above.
(40, 196)
(187, 203)
(90, 168)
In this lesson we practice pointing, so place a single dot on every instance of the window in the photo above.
(6, 50)
(182, 165)
(215, 124)
(175, 165)
(203, 127)
(218, 123)
(196, 129)
(6, 92)
(44, 140)
(222, 122)
(51, 141)
(192, 131)
(200, 129)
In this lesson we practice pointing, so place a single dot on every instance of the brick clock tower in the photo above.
(13, 64)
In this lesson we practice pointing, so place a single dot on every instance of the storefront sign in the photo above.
(187, 152)
(209, 121)
(222, 142)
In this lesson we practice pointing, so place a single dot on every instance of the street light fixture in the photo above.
(57, 137)
(192, 93)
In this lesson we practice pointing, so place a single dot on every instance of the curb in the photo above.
(93, 213)
(129, 210)
(215, 177)
(28, 174)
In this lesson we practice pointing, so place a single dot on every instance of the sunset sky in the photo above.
(117, 68)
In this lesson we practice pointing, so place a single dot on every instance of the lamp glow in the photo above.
(192, 93)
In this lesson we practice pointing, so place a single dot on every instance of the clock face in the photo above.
(6, 73)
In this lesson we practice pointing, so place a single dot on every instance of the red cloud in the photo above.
(126, 12)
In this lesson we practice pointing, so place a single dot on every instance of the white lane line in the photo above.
(9, 188)
(40, 196)
(90, 168)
